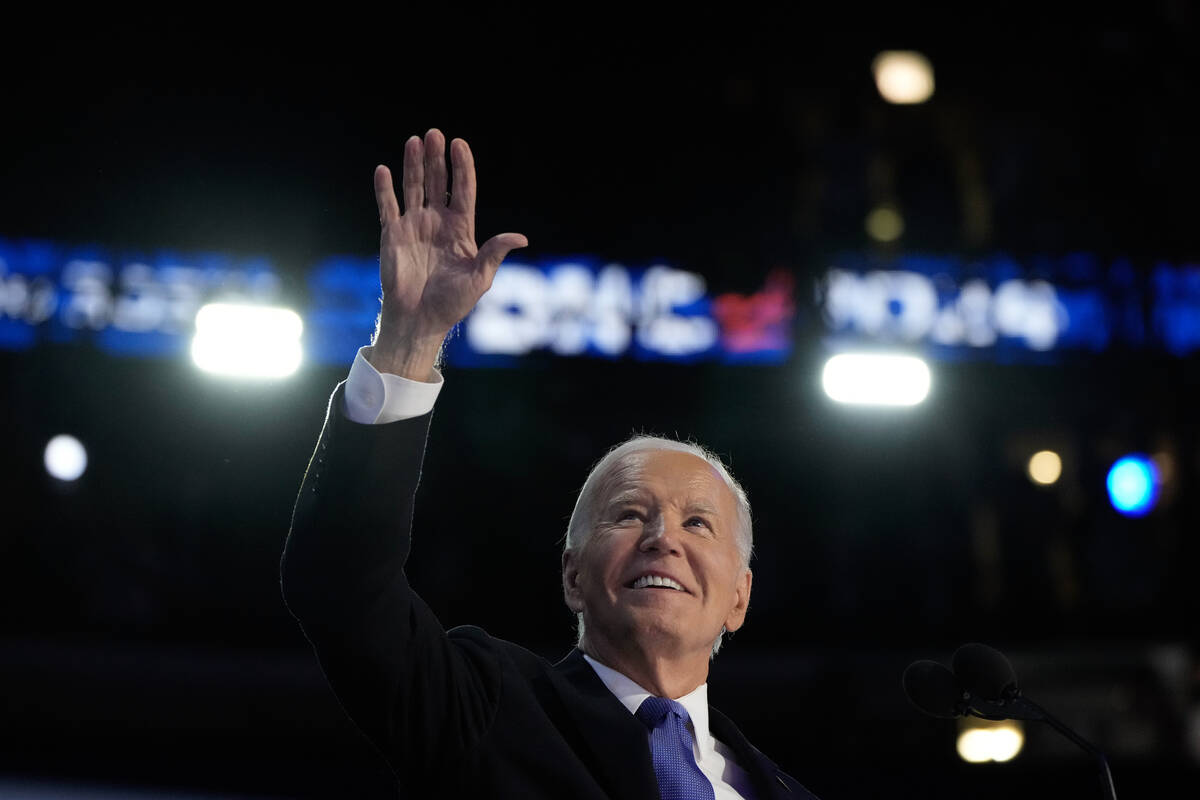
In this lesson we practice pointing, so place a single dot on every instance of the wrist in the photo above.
(407, 357)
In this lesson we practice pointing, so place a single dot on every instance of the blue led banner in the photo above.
(946, 307)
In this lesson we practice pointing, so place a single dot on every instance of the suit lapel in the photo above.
(613, 738)
(769, 781)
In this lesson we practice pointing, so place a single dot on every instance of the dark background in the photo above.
(144, 642)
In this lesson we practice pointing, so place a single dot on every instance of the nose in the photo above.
(659, 536)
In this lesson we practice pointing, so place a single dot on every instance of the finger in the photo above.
(435, 167)
(462, 197)
(385, 195)
(495, 250)
(414, 174)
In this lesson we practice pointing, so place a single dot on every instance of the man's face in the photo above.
(663, 517)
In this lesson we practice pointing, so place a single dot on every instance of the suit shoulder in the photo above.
(524, 660)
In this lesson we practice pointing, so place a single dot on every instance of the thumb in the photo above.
(495, 250)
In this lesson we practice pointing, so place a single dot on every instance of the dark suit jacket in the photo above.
(455, 713)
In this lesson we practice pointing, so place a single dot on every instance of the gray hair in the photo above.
(583, 517)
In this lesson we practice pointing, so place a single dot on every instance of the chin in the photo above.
(658, 631)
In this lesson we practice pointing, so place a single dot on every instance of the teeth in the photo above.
(655, 580)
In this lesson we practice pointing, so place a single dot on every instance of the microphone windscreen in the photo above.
(984, 671)
(932, 687)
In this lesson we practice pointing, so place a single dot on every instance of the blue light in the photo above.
(1133, 485)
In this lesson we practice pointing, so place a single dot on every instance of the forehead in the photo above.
(670, 476)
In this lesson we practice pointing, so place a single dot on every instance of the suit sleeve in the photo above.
(421, 696)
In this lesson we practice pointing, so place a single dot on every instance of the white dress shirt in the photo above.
(716, 761)
(372, 397)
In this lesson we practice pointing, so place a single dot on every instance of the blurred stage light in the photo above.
(1045, 467)
(980, 741)
(247, 341)
(876, 379)
(1133, 483)
(884, 224)
(903, 76)
(65, 457)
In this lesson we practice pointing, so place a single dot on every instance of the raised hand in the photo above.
(430, 269)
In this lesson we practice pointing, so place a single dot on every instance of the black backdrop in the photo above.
(145, 640)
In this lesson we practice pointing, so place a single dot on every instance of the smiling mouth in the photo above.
(656, 582)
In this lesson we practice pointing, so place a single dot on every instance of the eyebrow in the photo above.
(626, 497)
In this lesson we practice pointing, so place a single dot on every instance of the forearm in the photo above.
(350, 529)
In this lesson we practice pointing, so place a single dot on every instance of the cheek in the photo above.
(725, 573)
(600, 568)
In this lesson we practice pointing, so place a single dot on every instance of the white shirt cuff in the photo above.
(373, 398)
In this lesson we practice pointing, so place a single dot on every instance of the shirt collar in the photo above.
(631, 696)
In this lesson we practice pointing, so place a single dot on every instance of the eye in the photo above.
(693, 521)
(627, 514)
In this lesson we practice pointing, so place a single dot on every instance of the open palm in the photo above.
(430, 269)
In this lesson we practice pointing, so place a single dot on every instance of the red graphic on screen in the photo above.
(758, 322)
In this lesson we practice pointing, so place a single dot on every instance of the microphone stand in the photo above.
(1017, 706)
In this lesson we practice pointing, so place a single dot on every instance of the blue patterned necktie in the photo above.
(671, 750)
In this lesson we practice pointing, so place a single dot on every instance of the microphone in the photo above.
(989, 678)
(985, 671)
(983, 684)
(932, 688)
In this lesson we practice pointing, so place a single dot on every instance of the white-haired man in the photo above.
(656, 566)
(617, 486)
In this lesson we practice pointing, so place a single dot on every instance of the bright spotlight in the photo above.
(1133, 483)
(65, 457)
(884, 224)
(876, 379)
(1045, 467)
(984, 741)
(247, 341)
(903, 76)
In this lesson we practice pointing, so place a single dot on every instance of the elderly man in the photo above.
(656, 566)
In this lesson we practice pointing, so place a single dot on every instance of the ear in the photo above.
(570, 579)
(737, 615)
